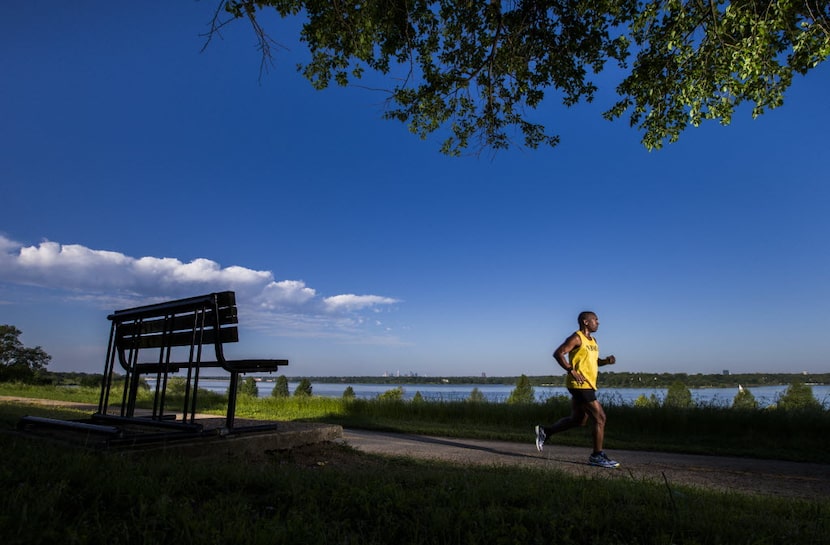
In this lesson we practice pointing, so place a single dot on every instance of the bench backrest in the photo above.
(193, 322)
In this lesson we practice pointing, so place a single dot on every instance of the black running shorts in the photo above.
(583, 395)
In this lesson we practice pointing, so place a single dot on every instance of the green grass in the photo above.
(769, 433)
(52, 494)
(79, 394)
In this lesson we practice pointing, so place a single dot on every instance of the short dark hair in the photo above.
(584, 316)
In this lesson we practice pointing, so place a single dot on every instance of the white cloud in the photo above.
(286, 293)
(351, 302)
(112, 278)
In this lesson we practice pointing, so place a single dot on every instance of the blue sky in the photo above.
(135, 168)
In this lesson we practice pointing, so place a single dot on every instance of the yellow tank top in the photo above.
(584, 359)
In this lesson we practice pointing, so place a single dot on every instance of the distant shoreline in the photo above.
(606, 380)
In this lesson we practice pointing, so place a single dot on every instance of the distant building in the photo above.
(726, 372)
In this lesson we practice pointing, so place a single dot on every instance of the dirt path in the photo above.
(776, 478)
(769, 477)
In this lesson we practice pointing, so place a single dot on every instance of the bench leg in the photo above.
(232, 391)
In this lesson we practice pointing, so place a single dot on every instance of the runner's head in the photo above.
(588, 320)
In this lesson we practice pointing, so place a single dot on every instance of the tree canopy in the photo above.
(478, 69)
(18, 362)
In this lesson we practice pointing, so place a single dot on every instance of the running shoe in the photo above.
(601, 460)
(540, 438)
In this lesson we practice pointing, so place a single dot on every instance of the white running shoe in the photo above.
(601, 460)
(540, 438)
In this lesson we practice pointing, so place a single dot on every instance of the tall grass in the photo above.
(762, 433)
(774, 434)
(799, 435)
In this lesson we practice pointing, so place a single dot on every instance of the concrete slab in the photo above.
(250, 439)
(242, 444)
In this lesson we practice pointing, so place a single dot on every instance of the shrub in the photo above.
(175, 386)
(348, 393)
(523, 392)
(798, 396)
(744, 400)
(90, 381)
(647, 402)
(304, 388)
(395, 394)
(248, 387)
(678, 396)
(280, 387)
(476, 396)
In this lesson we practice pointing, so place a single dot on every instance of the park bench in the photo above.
(156, 341)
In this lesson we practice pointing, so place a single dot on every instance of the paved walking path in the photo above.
(769, 477)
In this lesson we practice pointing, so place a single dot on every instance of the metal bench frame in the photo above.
(194, 325)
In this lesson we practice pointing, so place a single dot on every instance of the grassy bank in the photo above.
(335, 495)
(770, 433)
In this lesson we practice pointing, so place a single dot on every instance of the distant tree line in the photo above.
(608, 380)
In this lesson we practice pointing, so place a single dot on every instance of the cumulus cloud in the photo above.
(287, 292)
(112, 277)
(351, 302)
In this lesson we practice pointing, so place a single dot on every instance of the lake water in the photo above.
(498, 393)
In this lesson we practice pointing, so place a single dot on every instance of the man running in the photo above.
(581, 366)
